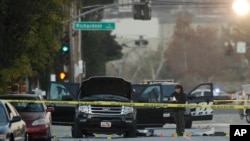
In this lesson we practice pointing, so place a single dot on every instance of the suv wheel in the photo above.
(131, 133)
(248, 116)
(77, 131)
(188, 122)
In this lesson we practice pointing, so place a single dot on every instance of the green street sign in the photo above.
(94, 26)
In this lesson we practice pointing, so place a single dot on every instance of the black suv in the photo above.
(104, 119)
(159, 91)
(117, 89)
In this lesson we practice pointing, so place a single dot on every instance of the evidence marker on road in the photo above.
(238, 132)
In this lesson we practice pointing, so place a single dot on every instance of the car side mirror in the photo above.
(16, 119)
(50, 109)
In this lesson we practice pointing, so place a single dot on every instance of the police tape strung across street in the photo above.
(105, 103)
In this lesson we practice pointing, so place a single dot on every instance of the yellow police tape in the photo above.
(108, 103)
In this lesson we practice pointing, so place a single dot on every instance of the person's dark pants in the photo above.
(180, 122)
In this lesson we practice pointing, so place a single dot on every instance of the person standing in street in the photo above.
(179, 97)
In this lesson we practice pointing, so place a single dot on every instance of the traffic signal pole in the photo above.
(71, 36)
(98, 7)
(71, 51)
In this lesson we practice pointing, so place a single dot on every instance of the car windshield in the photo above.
(28, 107)
(105, 97)
(3, 118)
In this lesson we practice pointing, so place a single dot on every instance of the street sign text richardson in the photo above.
(93, 26)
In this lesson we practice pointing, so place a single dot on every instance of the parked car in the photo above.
(36, 115)
(236, 95)
(221, 96)
(12, 127)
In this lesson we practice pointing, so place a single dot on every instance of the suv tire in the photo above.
(188, 122)
(77, 131)
(86, 134)
(131, 133)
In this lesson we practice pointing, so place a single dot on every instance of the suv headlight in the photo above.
(84, 109)
(41, 121)
(127, 110)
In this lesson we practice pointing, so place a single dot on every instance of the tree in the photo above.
(98, 47)
(239, 30)
(150, 65)
(197, 54)
(29, 36)
(140, 63)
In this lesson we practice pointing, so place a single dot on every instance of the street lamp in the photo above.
(241, 7)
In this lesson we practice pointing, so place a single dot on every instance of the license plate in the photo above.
(166, 115)
(106, 124)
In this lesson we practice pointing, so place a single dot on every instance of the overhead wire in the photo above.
(190, 4)
(193, 2)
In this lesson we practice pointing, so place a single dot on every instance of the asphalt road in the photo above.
(220, 123)
(63, 134)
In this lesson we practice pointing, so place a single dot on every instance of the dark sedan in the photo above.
(12, 127)
(36, 115)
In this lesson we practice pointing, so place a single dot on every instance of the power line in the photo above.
(191, 3)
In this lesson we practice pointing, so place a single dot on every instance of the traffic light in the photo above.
(62, 75)
(142, 11)
(141, 42)
(65, 49)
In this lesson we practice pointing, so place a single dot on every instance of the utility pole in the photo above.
(80, 51)
(71, 37)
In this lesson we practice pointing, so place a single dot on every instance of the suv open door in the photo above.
(148, 116)
(158, 116)
(202, 95)
(62, 91)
